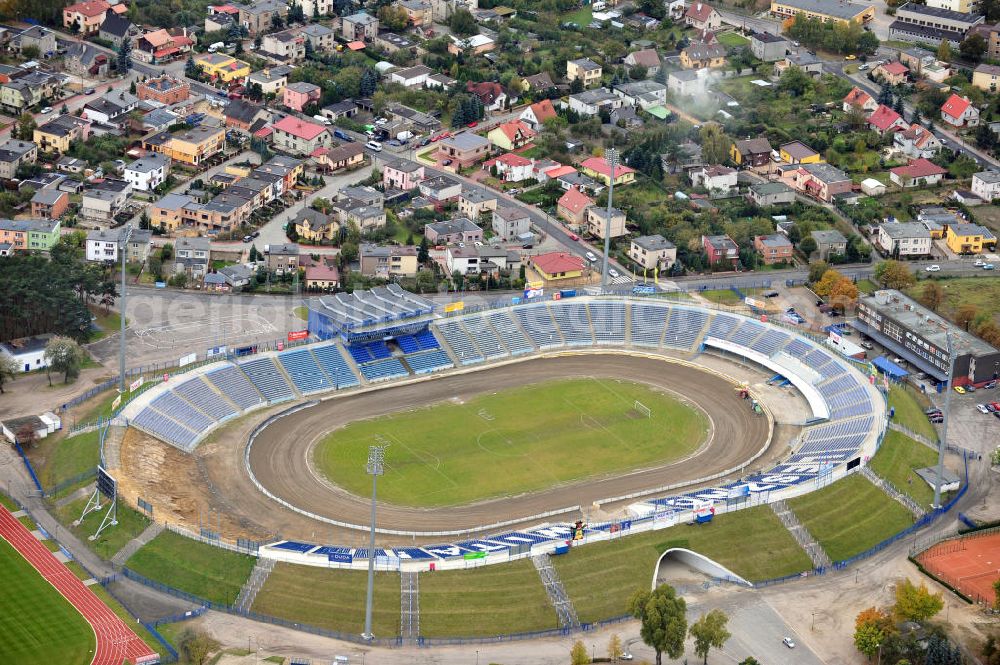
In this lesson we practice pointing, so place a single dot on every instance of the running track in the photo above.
(115, 640)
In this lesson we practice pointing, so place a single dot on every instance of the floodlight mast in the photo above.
(611, 157)
(374, 468)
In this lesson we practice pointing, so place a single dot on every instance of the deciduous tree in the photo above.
(578, 654)
(709, 632)
(916, 603)
(932, 295)
(965, 314)
(615, 648)
(894, 275)
(8, 370)
(664, 623)
(64, 355)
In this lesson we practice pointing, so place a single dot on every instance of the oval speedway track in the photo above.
(278, 457)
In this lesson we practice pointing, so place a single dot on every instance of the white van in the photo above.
(374, 145)
(599, 6)
(216, 46)
(322, 119)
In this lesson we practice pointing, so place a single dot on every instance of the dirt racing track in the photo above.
(214, 484)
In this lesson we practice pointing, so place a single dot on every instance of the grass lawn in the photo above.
(113, 538)
(491, 600)
(8, 503)
(70, 457)
(601, 577)
(582, 16)
(910, 411)
(850, 516)
(302, 312)
(982, 292)
(897, 460)
(514, 441)
(204, 570)
(331, 598)
(733, 40)
(867, 286)
(107, 323)
(721, 296)
(37, 625)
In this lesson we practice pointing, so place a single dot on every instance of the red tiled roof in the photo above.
(225, 9)
(699, 11)
(857, 97)
(263, 131)
(487, 91)
(299, 128)
(918, 168)
(515, 127)
(323, 271)
(883, 117)
(89, 8)
(510, 159)
(557, 262)
(895, 68)
(120, 9)
(955, 106)
(598, 165)
(575, 201)
(356, 45)
(543, 110)
(559, 171)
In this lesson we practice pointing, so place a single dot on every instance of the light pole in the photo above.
(375, 468)
(944, 421)
(611, 157)
(126, 235)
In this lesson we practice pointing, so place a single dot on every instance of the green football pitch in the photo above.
(37, 625)
(514, 441)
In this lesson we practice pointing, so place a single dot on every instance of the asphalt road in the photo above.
(280, 457)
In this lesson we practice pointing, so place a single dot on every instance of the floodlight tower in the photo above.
(611, 157)
(944, 422)
(126, 235)
(375, 468)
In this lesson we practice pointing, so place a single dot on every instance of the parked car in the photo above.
(989, 266)
(970, 388)
(788, 642)
(990, 386)
(981, 408)
(47, 109)
(771, 294)
(867, 345)
(614, 273)
(247, 238)
(446, 162)
(936, 420)
(591, 257)
(374, 145)
(574, 237)
(960, 390)
(933, 268)
(89, 91)
(989, 407)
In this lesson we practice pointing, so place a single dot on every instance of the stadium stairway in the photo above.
(113, 445)
(556, 593)
(888, 488)
(250, 381)
(214, 388)
(817, 554)
(409, 606)
(132, 546)
(350, 362)
(258, 576)
(700, 338)
(519, 326)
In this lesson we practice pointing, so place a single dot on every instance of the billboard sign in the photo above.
(106, 484)
(297, 335)
(116, 402)
(454, 306)
(752, 302)
(738, 491)
(135, 385)
(215, 351)
(340, 557)
(187, 360)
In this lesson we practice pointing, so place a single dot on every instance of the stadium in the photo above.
(509, 433)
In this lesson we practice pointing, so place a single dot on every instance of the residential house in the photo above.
(904, 239)
(402, 174)
(967, 238)
(454, 231)
(537, 83)
(572, 207)
(892, 73)
(116, 29)
(164, 89)
(244, 116)
(463, 149)
(298, 96)
(626, 117)
(148, 173)
(829, 242)
(315, 8)
(804, 60)
(986, 77)
(884, 119)
(858, 98)
(300, 137)
(86, 61)
(282, 258)
(751, 153)
(918, 173)
(718, 180)
(473, 203)
(703, 56)
(336, 158)
(511, 167)
(720, 250)
(441, 189)
(471, 46)
(57, 134)
(586, 70)
(598, 168)
(536, 114)
(411, 77)
(27, 88)
(592, 102)
(192, 256)
(159, 46)
(190, 146)
(647, 58)
(773, 248)
(14, 153)
(916, 142)
(686, 82)
(511, 135)
(272, 80)
(986, 185)
(768, 47)
(29, 234)
(314, 226)
(702, 16)
(322, 277)
(441, 82)
(286, 46)
(822, 181)
(41, 38)
(101, 203)
(222, 67)
(601, 222)
(359, 27)
(463, 260)
(554, 267)
(85, 18)
(49, 204)
(958, 111)
(509, 223)
(491, 94)
(418, 12)
(653, 252)
(104, 245)
(642, 94)
(258, 17)
(112, 108)
(388, 261)
(771, 193)
(321, 37)
(346, 108)
(797, 152)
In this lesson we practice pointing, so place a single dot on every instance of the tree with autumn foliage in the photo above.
(894, 275)
(871, 627)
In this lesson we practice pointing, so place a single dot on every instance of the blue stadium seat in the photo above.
(383, 370)
(197, 392)
(485, 337)
(425, 362)
(510, 332)
(268, 379)
(331, 360)
(608, 319)
(574, 323)
(648, 322)
(234, 384)
(683, 327)
(304, 371)
(461, 344)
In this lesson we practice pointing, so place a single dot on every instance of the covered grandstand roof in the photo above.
(382, 305)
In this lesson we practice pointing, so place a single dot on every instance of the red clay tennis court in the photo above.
(970, 564)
